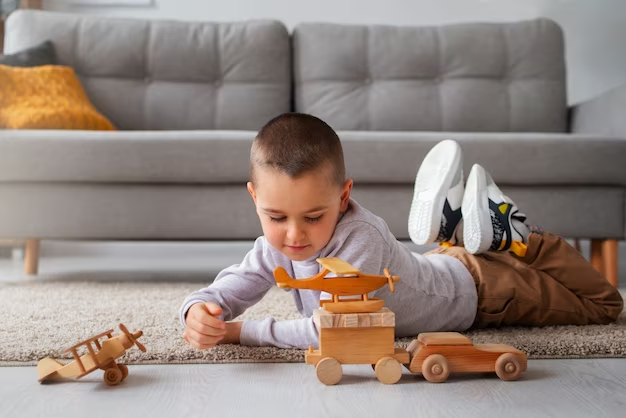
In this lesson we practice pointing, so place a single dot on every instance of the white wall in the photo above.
(595, 30)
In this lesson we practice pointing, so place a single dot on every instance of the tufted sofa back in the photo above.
(153, 75)
(166, 75)
(478, 77)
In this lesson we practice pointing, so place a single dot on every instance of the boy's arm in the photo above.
(363, 246)
(292, 333)
(237, 287)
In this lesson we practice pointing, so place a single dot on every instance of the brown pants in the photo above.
(552, 285)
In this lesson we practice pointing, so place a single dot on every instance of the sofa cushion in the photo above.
(226, 211)
(522, 159)
(471, 77)
(42, 54)
(569, 211)
(156, 74)
(128, 211)
(222, 157)
(159, 157)
(46, 97)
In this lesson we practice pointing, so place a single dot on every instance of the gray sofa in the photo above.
(188, 98)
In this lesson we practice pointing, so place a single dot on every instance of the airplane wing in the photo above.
(337, 265)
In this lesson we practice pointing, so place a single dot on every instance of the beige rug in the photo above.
(41, 319)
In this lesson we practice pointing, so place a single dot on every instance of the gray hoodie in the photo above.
(435, 292)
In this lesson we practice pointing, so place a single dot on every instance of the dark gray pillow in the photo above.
(42, 54)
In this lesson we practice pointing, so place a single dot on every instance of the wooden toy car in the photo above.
(102, 357)
(437, 354)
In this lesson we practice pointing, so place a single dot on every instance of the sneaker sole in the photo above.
(432, 183)
(477, 228)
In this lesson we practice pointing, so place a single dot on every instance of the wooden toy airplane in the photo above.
(103, 357)
(349, 282)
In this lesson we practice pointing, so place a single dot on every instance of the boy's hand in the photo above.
(204, 330)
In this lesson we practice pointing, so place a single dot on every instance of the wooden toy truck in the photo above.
(362, 331)
(356, 338)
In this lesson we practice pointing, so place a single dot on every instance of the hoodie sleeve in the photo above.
(292, 333)
(362, 245)
(237, 287)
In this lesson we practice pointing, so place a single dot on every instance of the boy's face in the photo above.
(298, 216)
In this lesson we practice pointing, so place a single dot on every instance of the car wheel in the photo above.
(435, 368)
(508, 366)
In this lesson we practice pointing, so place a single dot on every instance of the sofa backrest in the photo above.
(151, 74)
(477, 77)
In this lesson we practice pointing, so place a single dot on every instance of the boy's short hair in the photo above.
(295, 144)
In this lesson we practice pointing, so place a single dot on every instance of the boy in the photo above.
(303, 202)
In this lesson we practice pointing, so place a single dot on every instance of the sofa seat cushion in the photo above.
(522, 159)
(127, 211)
(584, 211)
(222, 157)
(46, 97)
(157, 211)
(125, 156)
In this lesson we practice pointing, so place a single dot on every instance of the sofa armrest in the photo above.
(601, 115)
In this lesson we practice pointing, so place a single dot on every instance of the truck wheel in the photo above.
(435, 368)
(388, 370)
(329, 371)
(508, 366)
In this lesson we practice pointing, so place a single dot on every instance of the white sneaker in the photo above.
(435, 212)
(491, 220)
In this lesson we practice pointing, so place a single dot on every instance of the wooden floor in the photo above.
(550, 388)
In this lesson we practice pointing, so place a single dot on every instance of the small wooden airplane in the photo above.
(103, 357)
(349, 282)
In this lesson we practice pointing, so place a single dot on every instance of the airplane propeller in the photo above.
(132, 338)
(390, 279)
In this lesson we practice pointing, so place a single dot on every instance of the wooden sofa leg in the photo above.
(31, 257)
(577, 245)
(596, 255)
(610, 257)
